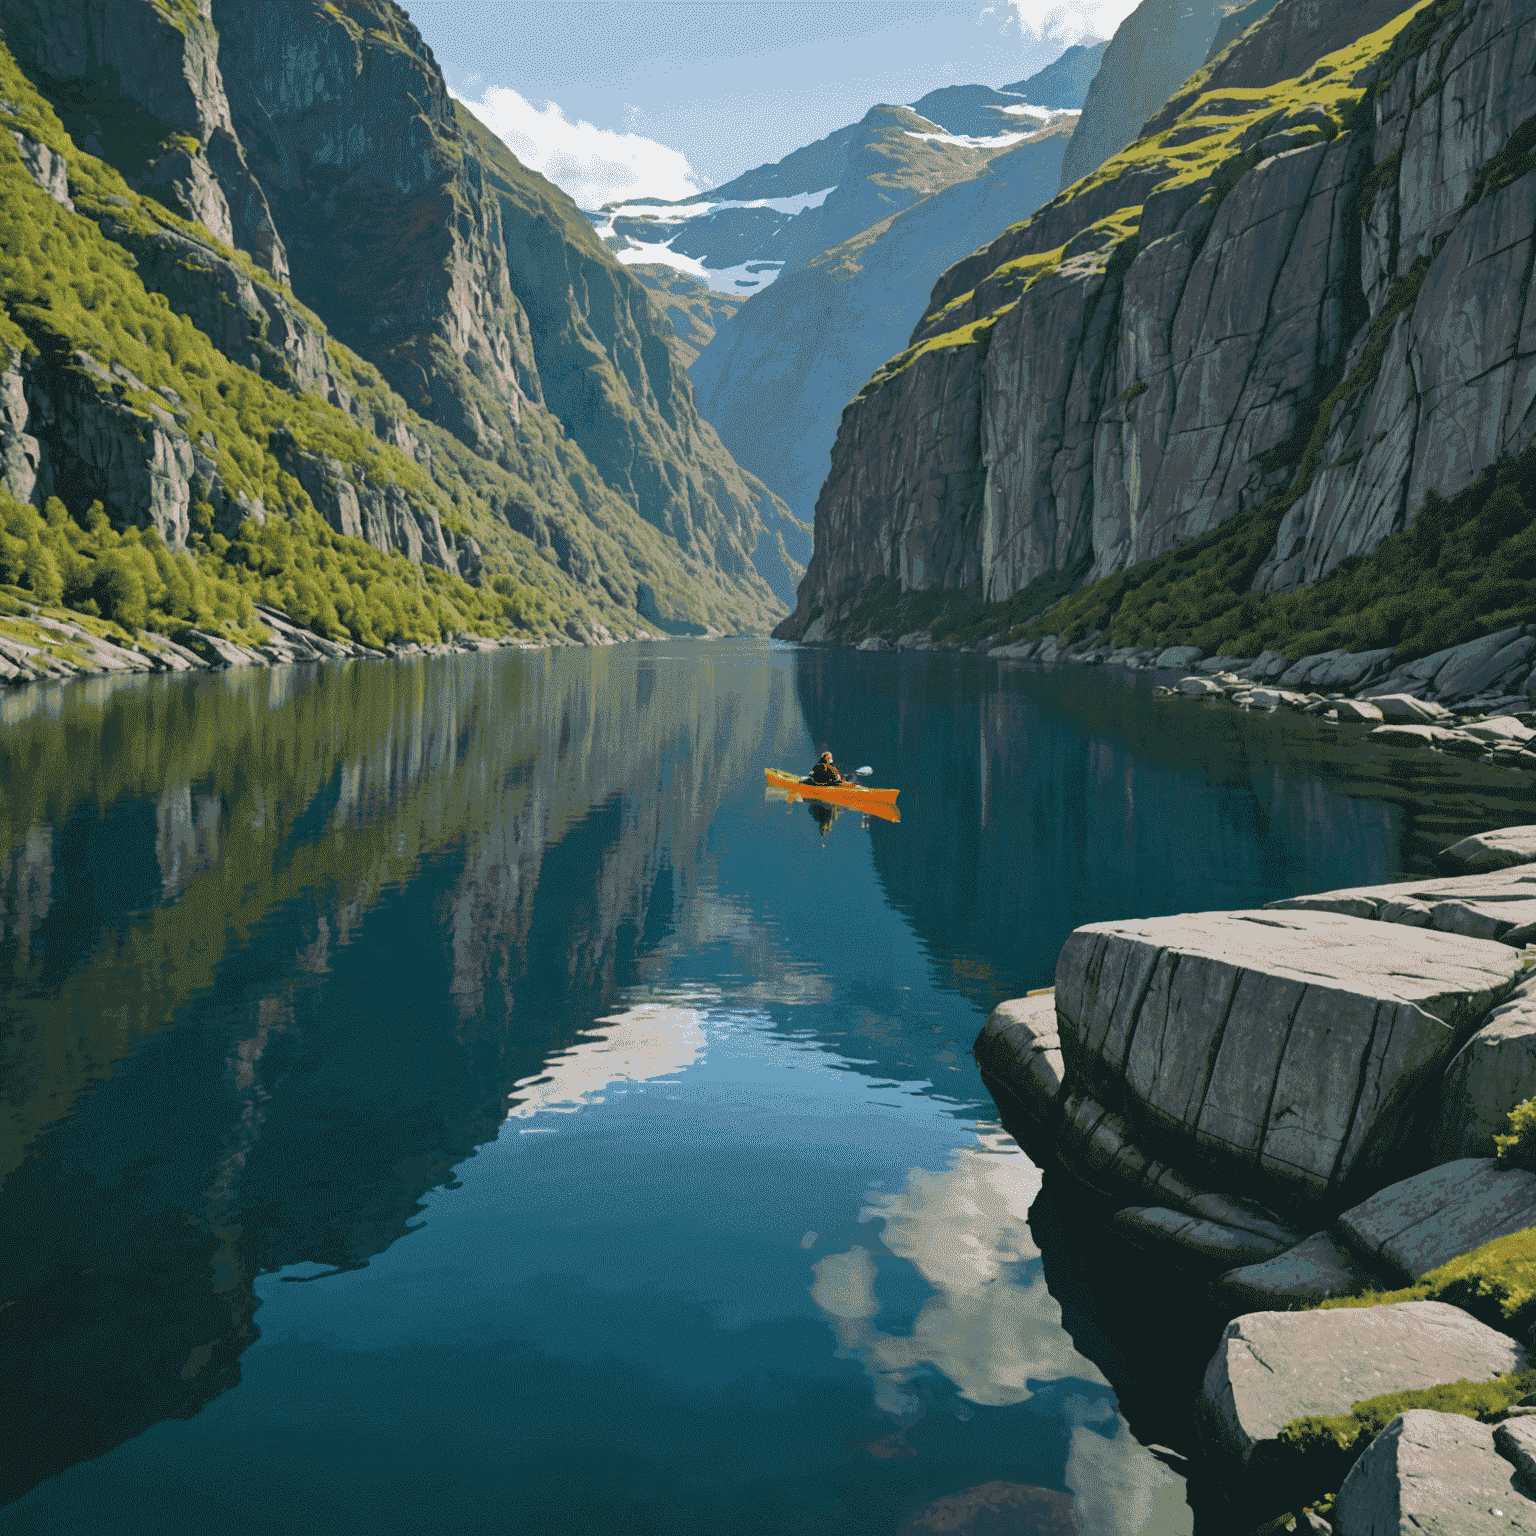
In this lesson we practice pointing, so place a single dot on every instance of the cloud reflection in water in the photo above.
(992, 1327)
(642, 1045)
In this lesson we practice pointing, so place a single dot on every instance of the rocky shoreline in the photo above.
(1475, 700)
(1292, 1108)
(39, 645)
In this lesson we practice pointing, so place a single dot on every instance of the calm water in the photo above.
(451, 1095)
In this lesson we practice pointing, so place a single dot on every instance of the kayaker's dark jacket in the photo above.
(823, 773)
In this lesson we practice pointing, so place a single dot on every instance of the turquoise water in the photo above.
(457, 1094)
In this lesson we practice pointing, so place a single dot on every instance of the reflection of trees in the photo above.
(1094, 800)
(279, 944)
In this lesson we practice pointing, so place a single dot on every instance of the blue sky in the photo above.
(634, 98)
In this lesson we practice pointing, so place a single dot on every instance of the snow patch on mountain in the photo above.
(996, 141)
(749, 277)
(676, 213)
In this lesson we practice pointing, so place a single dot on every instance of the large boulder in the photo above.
(1491, 850)
(1420, 1223)
(1492, 1073)
(1404, 709)
(1431, 1472)
(1498, 905)
(1273, 1367)
(1289, 1049)
(1302, 1276)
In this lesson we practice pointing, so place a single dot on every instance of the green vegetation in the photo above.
(1465, 568)
(71, 297)
(1204, 136)
(1518, 1148)
(1496, 1284)
(1334, 1441)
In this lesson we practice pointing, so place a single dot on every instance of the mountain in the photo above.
(1063, 83)
(978, 111)
(776, 377)
(773, 218)
(833, 249)
(692, 308)
(1154, 50)
(282, 322)
(1257, 340)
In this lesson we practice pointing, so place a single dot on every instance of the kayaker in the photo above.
(825, 772)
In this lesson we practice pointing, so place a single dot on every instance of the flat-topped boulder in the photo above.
(1273, 1367)
(1432, 1472)
(1289, 1048)
(1404, 709)
(1498, 904)
(1492, 1073)
(1491, 850)
(1412, 735)
(1420, 1223)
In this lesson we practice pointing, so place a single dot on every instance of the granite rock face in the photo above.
(141, 57)
(1500, 905)
(778, 374)
(1430, 1471)
(1273, 1367)
(1420, 1223)
(1499, 849)
(1145, 357)
(321, 141)
(1294, 1047)
(1021, 1046)
(1154, 50)
(474, 292)
(1492, 1073)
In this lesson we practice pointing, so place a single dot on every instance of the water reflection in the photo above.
(991, 1326)
(642, 1045)
(1042, 799)
(290, 959)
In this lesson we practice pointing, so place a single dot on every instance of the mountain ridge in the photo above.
(471, 471)
(1263, 309)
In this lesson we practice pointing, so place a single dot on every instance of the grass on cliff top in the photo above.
(1203, 143)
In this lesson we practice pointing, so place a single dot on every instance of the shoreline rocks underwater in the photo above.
(1290, 1116)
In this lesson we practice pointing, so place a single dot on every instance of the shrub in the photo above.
(1518, 1148)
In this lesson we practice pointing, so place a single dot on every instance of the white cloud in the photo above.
(594, 165)
(1070, 21)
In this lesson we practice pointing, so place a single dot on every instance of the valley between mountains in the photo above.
(1137, 350)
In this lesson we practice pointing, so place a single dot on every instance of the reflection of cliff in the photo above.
(204, 1076)
(1089, 795)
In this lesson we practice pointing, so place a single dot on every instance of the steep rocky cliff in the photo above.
(398, 388)
(1299, 297)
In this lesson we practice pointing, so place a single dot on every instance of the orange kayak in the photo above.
(873, 802)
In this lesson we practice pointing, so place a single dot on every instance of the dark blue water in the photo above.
(455, 1095)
